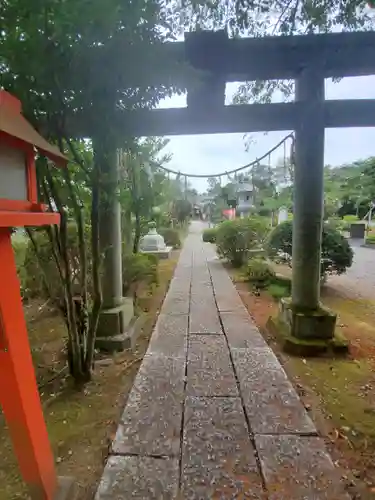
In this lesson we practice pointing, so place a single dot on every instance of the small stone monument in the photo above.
(153, 243)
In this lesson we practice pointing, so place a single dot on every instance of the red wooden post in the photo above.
(19, 207)
(19, 395)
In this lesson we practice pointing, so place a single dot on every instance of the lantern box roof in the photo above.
(14, 125)
(19, 204)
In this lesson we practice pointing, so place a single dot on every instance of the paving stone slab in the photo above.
(200, 266)
(204, 319)
(227, 298)
(139, 477)
(218, 274)
(230, 303)
(221, 280)
(151, 422)
(176, 304)
(218, 459)
(169, 337)
(241, 331)
(209, 369)
(271, 403)
(180, 286)
(298, 468)
(183, 266)
(214, 263)
(202, 299)
(199, 286)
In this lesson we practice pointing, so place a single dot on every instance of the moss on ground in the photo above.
(340, 384)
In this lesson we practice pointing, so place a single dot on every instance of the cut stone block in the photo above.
(115, 327)
(176, 303)
(202, 301)
(241, 331)
(202, 290)
(319, 324)
(164, 253)
(204, 320)
(229, 301)
(218, 459)
(180, 285)
(271, 403)
(169, 337)
(144, 478)
(209, 370)
(151, 422)
(298, 468)
(337, 346)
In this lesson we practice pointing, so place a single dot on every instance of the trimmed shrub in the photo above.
(264, 212)
(209, 235)
(234, 238)
(138, 269)
(336, 255)
(348, 220)
(171, 236)
(336, 223)
(278, 291)
(370, 239)
(259, 272)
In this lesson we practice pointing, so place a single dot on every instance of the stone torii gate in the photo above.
(308, 60)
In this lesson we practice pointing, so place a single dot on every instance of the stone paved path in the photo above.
(212, 414)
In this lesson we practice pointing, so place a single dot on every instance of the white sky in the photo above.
(221, 152)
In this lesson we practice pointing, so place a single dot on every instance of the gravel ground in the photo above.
(359, 280)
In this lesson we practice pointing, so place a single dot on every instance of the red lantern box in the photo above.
(19, 207)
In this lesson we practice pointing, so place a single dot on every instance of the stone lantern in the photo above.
(153, 243)
(19, 207)
(245, 198)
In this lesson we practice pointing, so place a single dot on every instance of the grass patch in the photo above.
(340, 385)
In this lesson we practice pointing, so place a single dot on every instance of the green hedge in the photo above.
(336, 255)
(138, 269)
(259, 272)
(370, 239)
(171, 236)
(234, 238)
(350, 218)
(209, 235)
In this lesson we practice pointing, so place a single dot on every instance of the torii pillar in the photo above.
(114, 327)
(306, 318)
